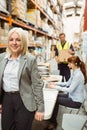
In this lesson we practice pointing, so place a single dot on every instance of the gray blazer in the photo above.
(30, 83)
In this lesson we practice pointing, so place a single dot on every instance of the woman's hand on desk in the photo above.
(53, 85)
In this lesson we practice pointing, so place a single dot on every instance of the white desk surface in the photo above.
(50, 96)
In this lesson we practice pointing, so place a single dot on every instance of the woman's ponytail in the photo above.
(83, 69)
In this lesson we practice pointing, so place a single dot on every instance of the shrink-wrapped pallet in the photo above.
(3, 6)
(32, 16)
(19, 8)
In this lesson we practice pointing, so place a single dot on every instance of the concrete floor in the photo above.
(41, 125)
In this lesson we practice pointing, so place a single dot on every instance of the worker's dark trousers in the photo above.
(14, 114)
(64, 71)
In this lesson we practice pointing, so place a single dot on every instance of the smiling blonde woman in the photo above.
(20, 84)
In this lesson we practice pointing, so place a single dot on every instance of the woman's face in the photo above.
(71, 65)
(15, 43)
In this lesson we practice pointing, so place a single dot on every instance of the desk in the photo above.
(50, 96)
(52, 78)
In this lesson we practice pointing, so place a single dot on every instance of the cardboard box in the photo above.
(19, 12)
(64, 55)
(31, 15)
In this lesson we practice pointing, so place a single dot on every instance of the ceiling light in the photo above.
(69, 4)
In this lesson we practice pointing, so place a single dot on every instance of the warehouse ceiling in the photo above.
(72, 7)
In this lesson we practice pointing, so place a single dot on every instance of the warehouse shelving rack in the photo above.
(24, 24)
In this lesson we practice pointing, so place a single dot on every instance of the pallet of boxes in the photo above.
(19, 8)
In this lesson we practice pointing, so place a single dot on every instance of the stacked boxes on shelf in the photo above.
(30, 38)
(40, 43)
(44, 68)
(33, 16)
(19, 8)
(3, 6)
(49, 10)
(38, 19)
(42, 3)
(3, 33)
(39, 14)
(55, 17)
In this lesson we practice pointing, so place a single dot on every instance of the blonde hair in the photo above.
(21, 33)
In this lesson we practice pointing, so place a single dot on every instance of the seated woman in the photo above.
(74, 88)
